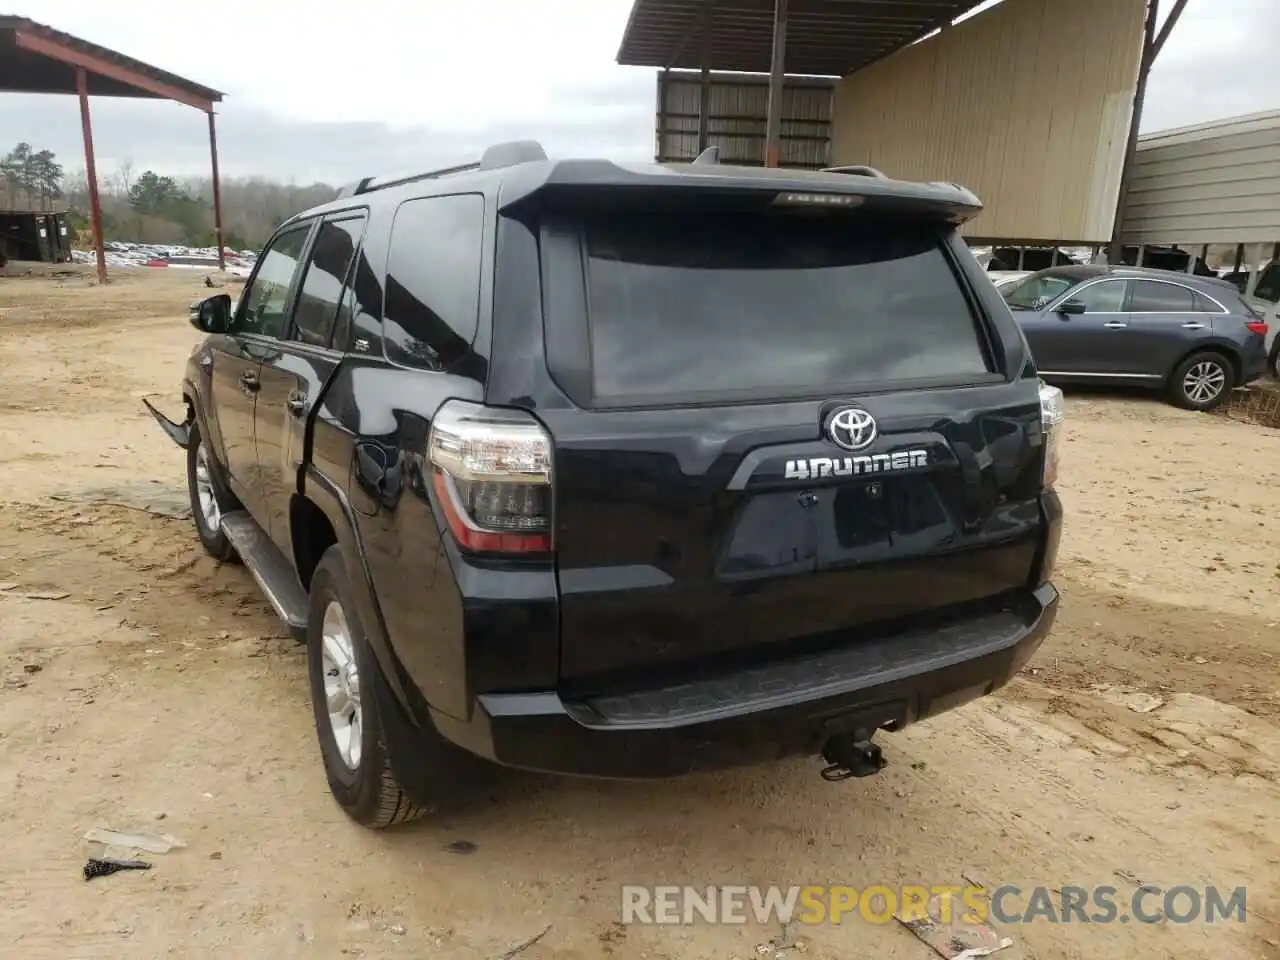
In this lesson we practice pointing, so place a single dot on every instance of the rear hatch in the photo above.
(790, 429)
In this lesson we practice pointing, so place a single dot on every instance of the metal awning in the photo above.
(823, 37)
(35, 58)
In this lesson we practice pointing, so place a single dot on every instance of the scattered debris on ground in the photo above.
(160, 689)
(108, 865)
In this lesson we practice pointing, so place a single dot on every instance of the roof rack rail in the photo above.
(709, 155)
(494, 158)
(857, 170)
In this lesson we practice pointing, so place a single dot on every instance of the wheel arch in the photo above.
(1226, 350)
(322, 498)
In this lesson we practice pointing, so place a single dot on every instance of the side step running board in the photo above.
(270, 567)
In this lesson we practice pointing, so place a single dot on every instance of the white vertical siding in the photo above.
(1027, 104)
(738, 114)
(1213, 183)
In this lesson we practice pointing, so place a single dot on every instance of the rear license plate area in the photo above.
(855, 523)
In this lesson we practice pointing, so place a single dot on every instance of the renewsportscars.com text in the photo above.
(1006, 904)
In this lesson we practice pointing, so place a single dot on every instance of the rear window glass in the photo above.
(728, 303)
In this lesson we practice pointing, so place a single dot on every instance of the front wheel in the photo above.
(1202, 382)
(208, 500)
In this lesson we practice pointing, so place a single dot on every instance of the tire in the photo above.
(209, 501)
(364, 783)
(1202, 382)
(1274, 361)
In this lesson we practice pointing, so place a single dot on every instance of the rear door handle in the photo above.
(1115, 324)
(250, 382)
(297, 404)
(1192, 325)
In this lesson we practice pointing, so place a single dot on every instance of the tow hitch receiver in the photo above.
(852, 755)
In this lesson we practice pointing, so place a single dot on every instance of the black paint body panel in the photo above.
(687, 563)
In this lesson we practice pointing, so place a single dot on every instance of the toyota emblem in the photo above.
(851, 428)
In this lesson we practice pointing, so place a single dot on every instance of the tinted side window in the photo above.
(433, 280)
(1205, 305)
(1152, 297)
(322, 284)
(265, 300)
(1105, 297)
(358, 328)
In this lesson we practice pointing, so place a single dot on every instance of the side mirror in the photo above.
(212, 314)
(1072, 308)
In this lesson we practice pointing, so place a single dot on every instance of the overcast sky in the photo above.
(401, 85)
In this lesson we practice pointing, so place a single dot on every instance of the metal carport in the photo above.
(35, 58)
(1056, 173)
(831, 38)
(1212, 183)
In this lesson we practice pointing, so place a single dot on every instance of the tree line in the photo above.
(150, 207)
(36, 173)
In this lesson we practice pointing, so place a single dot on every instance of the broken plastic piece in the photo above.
(954, 938)
(150, 842)
(109, 865)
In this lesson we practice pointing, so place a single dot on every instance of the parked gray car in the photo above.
(1192, 337)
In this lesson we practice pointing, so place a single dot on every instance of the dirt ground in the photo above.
(143, 687)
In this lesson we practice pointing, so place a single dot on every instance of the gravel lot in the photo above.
(157, 691)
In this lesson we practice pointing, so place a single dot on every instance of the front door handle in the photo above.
(1115, 324)
(297, 404)
(249, 382)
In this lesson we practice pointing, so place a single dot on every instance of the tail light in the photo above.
(1258, 327)
(1053, 412)
(491, 470)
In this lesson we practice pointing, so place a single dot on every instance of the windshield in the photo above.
(691, 303)
(1036, 292)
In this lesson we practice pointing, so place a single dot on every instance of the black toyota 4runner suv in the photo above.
(626, 470)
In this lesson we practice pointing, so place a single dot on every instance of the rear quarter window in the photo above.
(761, 305)
(432, 301)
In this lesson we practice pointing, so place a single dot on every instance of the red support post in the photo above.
(91, 173)
(217, 193)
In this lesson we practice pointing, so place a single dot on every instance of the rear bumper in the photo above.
(1254, 363)
(763, 712)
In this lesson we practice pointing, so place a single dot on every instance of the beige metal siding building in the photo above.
(1212, 183)
(1027, 104)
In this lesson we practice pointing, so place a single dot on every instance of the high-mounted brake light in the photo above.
(1053, 413)
(846, 200)
(491, 470)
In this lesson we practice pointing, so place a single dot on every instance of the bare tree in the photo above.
(121, 182)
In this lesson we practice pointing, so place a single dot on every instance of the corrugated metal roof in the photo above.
(24, 71)
(824, 37)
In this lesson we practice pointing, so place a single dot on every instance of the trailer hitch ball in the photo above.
(852, 755)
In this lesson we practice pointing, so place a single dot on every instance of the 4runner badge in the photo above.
(821, 468)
